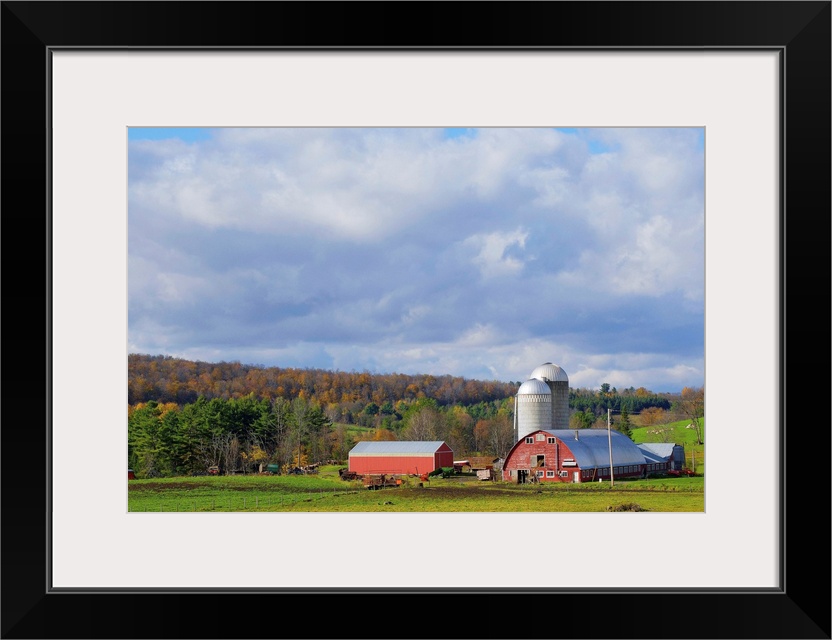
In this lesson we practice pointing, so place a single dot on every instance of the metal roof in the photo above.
(397, 447)
(534, 387)
(550, 372)
(656, 451)
(592, 447)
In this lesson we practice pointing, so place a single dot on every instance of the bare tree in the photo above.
(423, 425)
(500, 435)
(692, 406)
(282, 418)
(230, 453)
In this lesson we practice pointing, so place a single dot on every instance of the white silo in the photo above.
(558, 383)
(533, 408)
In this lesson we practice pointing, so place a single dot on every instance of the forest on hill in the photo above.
(184, 416)
(168, 379)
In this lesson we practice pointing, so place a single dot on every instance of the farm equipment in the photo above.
(348, 475)
(271, 470)
(381, 481)
(213, 470)
(680, 472)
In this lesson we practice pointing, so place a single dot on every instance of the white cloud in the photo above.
(491, 257)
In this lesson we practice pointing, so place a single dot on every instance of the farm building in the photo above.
(400, 457)
(583, 455)
(658, 452)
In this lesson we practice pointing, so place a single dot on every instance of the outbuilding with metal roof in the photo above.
(584, 455)
(406, 457)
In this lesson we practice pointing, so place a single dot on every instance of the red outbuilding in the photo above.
(406, 457)
(131, 475)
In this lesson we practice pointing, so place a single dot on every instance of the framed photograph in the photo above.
(752, 77)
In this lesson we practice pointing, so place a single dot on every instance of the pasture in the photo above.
(326, 492)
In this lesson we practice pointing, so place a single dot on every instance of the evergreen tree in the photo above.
(624, 424)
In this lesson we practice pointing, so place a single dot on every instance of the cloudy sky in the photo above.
(480, 253)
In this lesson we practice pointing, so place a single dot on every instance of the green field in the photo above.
(326, 492)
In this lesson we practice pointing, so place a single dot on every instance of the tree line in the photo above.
(244, 435)
(290, 417)
(168, 379)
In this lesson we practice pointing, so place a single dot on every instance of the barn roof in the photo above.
(398, 447)
(591, 447)
(656, 451)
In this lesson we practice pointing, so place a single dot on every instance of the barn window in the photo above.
(540, 473)
(539, 461)
(540, 437)
(564, 474)
(529, 440)
(550, 440)
(550, 474)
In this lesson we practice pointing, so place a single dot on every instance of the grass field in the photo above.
(326, 492)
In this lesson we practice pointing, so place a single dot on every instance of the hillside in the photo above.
(168, 379)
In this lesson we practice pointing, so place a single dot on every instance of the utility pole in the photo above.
(609, 440)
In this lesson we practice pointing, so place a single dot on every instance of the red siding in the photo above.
(416, 463)
(398, 464)
(523, 457)
(444, 458)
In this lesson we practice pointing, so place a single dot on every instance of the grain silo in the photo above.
(558, 383)
(533, 408)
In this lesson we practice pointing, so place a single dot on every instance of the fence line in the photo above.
(241, 504)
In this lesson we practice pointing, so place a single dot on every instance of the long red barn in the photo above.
(400, 456)
(583, 455)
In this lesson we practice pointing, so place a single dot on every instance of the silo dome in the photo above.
(533, 387)
(550, 373)
(533, 408)
(556, 379)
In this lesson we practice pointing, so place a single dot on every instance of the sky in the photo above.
(479, 253)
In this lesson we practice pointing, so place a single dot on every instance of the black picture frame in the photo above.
(800, 31)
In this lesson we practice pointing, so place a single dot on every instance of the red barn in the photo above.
(581, 455)
(407, 457)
